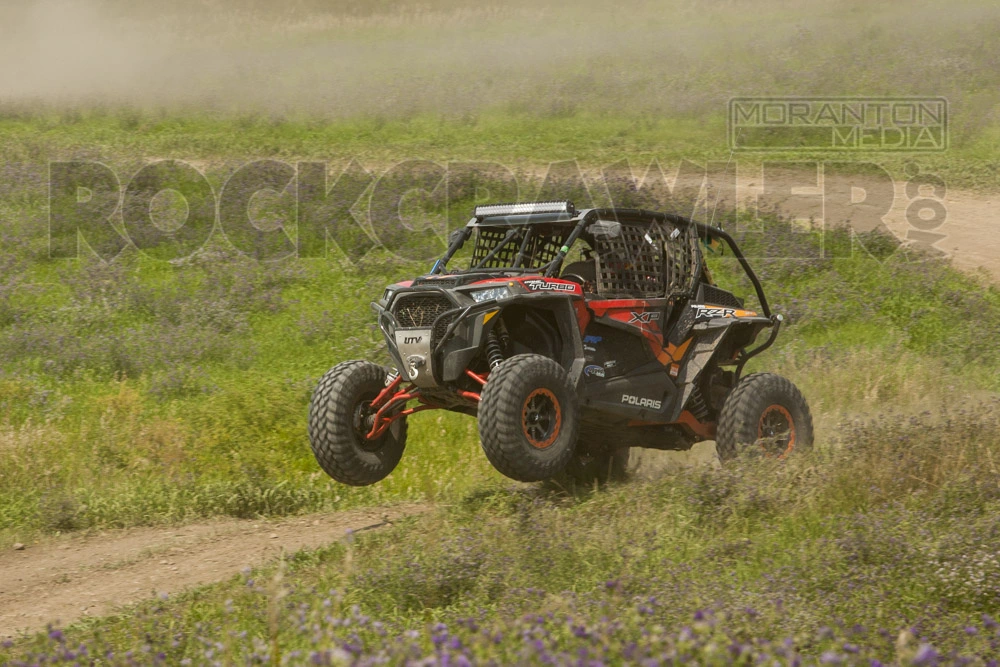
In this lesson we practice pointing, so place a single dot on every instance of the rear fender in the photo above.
(715, 341)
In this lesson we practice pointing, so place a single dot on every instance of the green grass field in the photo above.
(519, 141)
(144, 392)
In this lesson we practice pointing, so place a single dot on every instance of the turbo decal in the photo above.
(536, 285)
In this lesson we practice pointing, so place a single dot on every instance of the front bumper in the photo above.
(435, 359)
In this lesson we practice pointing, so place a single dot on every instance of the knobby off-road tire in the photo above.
(765, 412)
(339, 417)
(528, 418)
(594, 462)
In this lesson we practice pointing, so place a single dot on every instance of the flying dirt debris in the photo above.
(632, 344)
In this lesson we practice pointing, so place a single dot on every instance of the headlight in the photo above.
(490, 294)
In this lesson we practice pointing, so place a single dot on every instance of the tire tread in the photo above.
(738, 419)
(331, 431)
(499, 418)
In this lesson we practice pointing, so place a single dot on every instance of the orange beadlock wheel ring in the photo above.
(541, 418)
(775, 420)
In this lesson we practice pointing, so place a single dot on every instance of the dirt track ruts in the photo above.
(61, 579)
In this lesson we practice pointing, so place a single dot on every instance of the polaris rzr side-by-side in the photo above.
(566, 365)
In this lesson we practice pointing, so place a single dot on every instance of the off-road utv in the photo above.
(566, 365)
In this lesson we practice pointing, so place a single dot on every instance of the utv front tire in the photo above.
(528, 418)
(765, 412)
(339, 418)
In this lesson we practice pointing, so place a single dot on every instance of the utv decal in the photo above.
(641, 402)
(592, 339)
(595, 371)
(546, 286)
(412, 340)
(644, 318)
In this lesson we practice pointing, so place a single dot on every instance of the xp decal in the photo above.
(644, 317)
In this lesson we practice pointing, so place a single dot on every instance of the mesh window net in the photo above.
(648, 260)
(542, 247)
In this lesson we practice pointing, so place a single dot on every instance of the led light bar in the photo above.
(529, 208)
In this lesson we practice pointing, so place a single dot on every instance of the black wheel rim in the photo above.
(776, 431)
(541, 418)
(364, 420)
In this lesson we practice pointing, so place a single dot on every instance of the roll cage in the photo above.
(638, 253)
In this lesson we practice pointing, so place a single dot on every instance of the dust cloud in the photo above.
(455, 57)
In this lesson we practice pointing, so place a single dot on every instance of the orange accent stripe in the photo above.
(706, 431)
(673, 353)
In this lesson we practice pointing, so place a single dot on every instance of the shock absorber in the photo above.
(494, 352)
(696, 405)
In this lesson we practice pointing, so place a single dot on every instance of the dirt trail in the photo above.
(65, 578)
(966, 226)
(969, 233)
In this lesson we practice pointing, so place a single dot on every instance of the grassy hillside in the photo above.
(526, 140)
(522, 83)
(145, 392)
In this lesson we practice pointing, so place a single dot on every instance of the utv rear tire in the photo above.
(764, 413)
(337, 423)
(528, 418)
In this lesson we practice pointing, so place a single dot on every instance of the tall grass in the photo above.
(877, 546)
